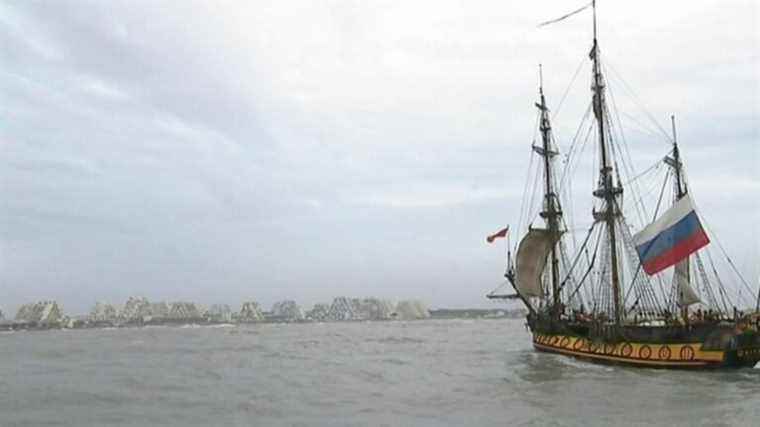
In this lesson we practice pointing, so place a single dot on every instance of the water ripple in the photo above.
(429, 373)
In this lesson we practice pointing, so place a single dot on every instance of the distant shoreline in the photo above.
(441, 313)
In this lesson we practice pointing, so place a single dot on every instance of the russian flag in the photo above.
(671, 238)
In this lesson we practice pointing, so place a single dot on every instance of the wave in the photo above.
(223, 325)
(397, 340)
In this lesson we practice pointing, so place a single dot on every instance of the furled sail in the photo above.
(686, 294)
(671, 238)
(531, 260)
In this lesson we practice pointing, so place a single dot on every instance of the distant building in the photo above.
(375, 309)
(250, 312)
(42, 313)
(343, 308)
(2, 316)
(135, 309)
(287, 310)
(183, 311)
(103, 312)
(318, 312)
(159, 310)
(411, 310)
(219, 313)
(25, 313)
(73, 322)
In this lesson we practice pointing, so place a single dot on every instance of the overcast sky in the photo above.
(226, 151)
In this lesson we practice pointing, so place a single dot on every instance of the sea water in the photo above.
(417, 373)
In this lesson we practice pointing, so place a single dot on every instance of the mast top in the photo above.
(540, 79)
(680, 188)
(593, 6)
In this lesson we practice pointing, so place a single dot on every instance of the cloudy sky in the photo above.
(230, 150)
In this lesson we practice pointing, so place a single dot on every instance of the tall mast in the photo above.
(551, 211)
(606, 191)
(680, 192)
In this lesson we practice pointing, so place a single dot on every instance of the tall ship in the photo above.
(643, 284)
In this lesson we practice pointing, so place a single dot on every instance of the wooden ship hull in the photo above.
(678, 355)
(702, 344)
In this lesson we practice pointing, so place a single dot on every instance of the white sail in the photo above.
(531, 260)
(686, 295)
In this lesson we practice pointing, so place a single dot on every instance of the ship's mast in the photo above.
(680, 192)
(606, 191)
(551, 211)
(680, 189)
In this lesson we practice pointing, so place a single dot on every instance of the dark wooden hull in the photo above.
(670, 355)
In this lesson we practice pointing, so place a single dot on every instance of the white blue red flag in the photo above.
(671, 238)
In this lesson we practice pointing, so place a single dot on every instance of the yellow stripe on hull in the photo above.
(681, 355)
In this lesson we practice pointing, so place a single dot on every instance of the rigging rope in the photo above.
(590, 267)
(627, 161)
(523, 207)
(725, 254)
(578, 256)
(636, 100)
(567, 90)
(655, 166)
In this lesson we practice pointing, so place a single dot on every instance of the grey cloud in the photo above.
(204, 150)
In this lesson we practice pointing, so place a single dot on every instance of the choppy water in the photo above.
(424, 373)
